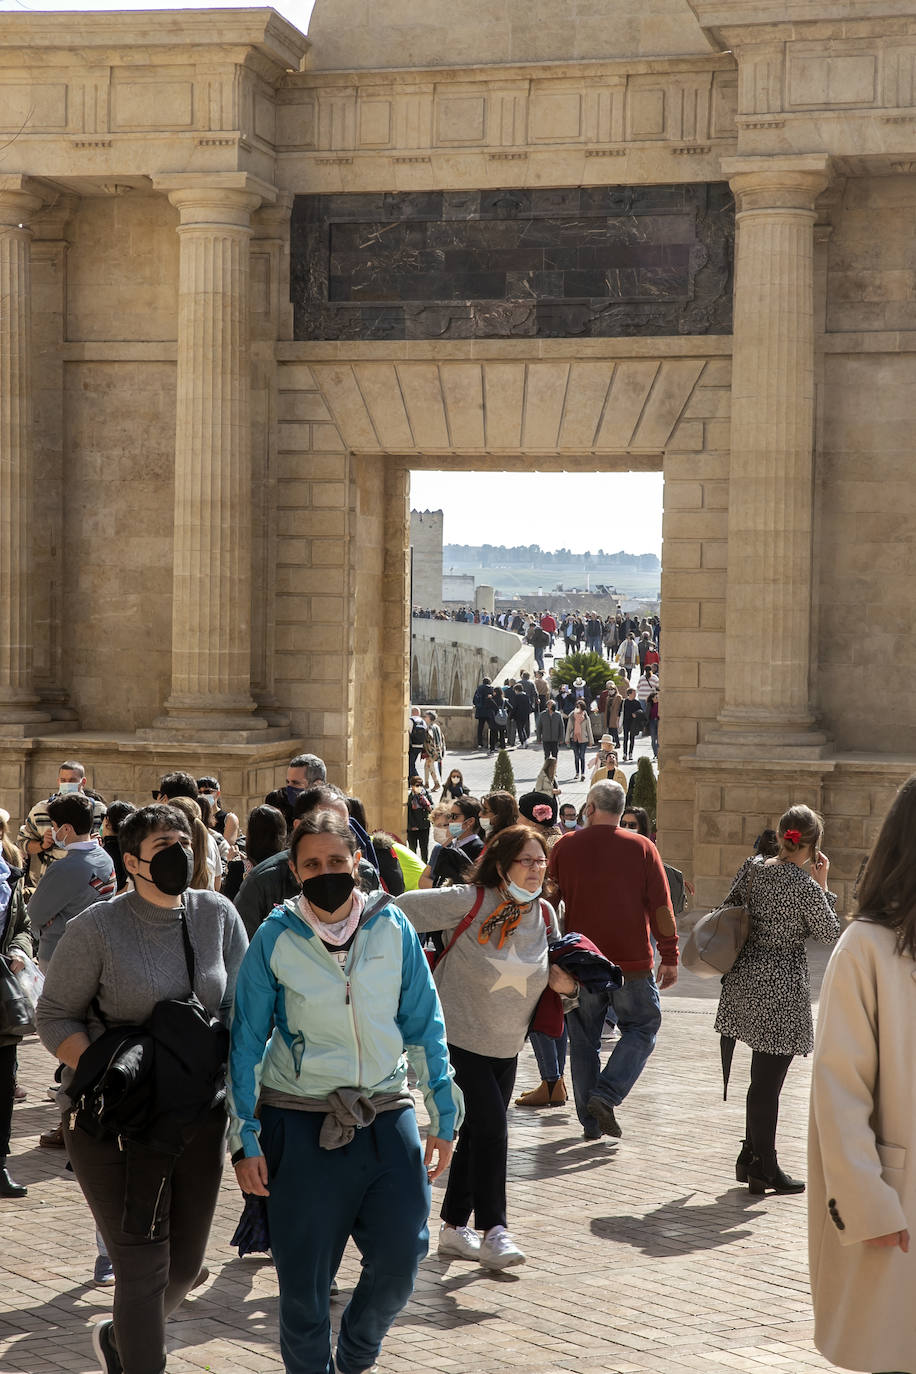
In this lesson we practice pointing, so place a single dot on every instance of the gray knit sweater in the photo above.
(488, 994)
(130, 955)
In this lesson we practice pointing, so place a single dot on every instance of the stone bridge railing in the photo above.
(448, 659)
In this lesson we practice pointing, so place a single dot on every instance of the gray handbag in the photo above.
(718, 938)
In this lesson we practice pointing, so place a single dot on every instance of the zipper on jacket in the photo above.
(359, 1048)
(152, 1229)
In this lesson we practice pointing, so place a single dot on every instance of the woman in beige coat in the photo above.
(862, 1139)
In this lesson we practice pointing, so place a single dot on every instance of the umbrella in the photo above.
(727, 1051)
(253, 1232)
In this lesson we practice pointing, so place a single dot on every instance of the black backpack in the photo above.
(417, 734)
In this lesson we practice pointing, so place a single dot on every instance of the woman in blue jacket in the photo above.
(333, 996)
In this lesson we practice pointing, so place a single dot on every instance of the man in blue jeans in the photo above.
(616, 892)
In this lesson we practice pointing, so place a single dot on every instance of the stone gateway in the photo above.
(249, 279)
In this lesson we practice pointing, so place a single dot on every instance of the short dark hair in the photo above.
(150, 820)
(322, 823)
(501, 851)
(73, 810)
(468, 806)
(208, 782)
(316, 768)
(118, 812)
(178, 785)
(72, 766)
(313, 798)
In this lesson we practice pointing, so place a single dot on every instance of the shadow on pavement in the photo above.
(676, 1229)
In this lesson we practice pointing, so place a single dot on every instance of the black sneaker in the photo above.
(603, 1113)
(104, 1347)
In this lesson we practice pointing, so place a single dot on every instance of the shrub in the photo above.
(643, 790)
(594, 668)
(503, 776)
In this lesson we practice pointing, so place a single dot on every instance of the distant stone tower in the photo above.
(426, 553)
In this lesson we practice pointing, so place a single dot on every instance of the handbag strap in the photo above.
(188, 948)
(463, 924)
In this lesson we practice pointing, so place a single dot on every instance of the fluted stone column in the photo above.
(19, 711)
(771, 477)
(211, 597)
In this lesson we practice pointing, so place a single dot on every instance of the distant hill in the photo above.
(534, 557)
(526, 570)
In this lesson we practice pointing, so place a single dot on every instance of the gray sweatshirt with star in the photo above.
(488, 994)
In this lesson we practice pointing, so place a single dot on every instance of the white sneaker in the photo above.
(499, 1250)
(458, 1242)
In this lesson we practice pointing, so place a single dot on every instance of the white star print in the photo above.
(513, 972)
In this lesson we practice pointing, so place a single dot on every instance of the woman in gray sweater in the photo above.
(113, 964)
(490, 977)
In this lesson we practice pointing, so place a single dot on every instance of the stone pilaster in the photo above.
(211, 597)
(19, 711)
(769, 589)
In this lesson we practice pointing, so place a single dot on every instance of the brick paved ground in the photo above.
(643, 1255)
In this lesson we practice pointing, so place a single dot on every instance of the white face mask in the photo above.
(67, 789)
(486, 824)
(440, 834)
(59, 841)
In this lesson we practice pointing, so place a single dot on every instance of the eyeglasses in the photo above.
(532, 863)
(629, 825)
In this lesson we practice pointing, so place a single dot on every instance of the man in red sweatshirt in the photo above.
(614, 886)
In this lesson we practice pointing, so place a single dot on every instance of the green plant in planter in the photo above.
(503, 776)
(593, 668)
(643, 790)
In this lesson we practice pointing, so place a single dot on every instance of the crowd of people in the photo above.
(624, 637)
(276, 986)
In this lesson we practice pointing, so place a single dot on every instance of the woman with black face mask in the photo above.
(114, 963)
(332, 993)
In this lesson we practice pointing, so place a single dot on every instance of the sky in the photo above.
(558, 510)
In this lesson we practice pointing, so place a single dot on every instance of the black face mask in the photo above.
(328, 891)
(171, 869)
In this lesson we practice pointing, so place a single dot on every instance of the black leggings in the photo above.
(419, 842)
(477, 1177)
(7, 1089)
(768, 1073)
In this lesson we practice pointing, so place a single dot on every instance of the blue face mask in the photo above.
(292, 794)
(66, 789)
(455, 828)
(522, 895)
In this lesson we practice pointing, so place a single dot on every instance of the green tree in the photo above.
(643, 790)
(503, 776)
(594, 668)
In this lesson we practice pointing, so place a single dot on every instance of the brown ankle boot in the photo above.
(558, 1093)
(538, 1097)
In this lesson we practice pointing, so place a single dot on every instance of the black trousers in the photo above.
(477, 1177)
(768, 1073)
(629, 738)
(491, 732)
(418, 840)
(7, 1088)
(151, 1276)
(552, 750)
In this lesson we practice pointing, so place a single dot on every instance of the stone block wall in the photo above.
(694, 558)
(426, 569)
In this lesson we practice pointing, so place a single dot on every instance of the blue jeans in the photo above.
(639, 1016)
(375, 1190)
(579, 756)
(653, 735)
(550, 1054)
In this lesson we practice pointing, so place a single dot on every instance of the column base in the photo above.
(212, 730)
(738, 733)
(28, 729)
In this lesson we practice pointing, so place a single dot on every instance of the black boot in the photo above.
(7, 1187)
(761, 1178)
(742, 1162)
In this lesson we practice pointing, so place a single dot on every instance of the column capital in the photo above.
(21, 198)
(777, 183)
(226, 199)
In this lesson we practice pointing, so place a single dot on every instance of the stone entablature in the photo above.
(560, 121)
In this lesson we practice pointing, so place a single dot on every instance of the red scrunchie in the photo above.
(793, 836)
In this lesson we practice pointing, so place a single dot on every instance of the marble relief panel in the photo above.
(590, 262)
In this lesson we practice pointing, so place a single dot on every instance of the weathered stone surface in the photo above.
(597, 262)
